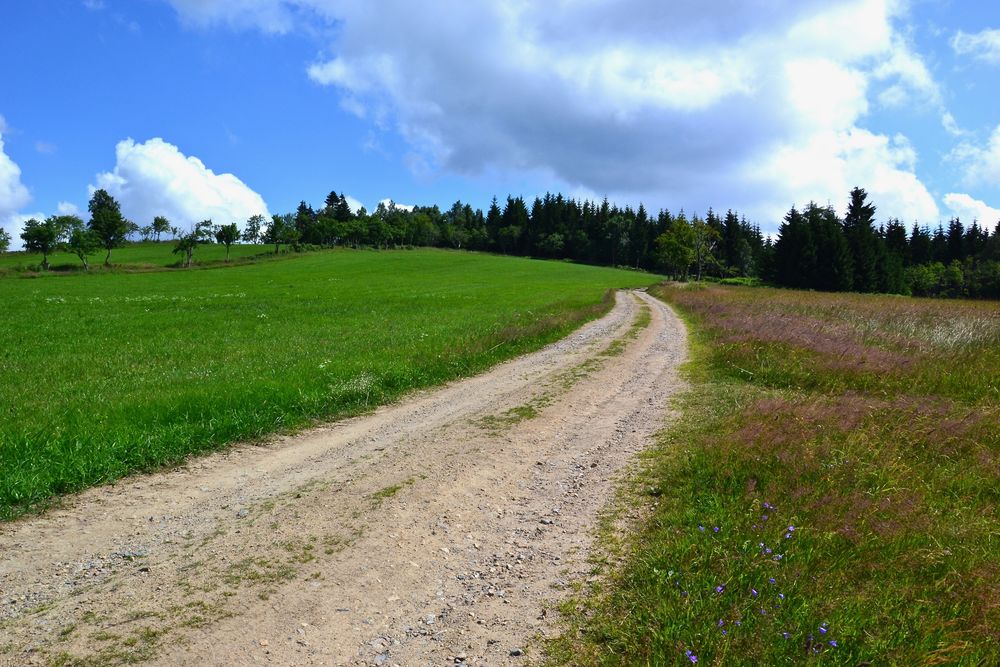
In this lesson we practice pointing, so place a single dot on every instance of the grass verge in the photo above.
(829, 493)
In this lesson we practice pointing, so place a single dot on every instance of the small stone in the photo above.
(429, 619)
(243, 513)
(264, 642)
(381, 658)
(515, 652)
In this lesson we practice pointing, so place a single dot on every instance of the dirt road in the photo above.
(439, 530)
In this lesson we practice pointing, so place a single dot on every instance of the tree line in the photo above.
(813, 249)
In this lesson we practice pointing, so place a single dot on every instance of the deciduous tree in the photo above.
(252, 229)
(80, 241)
(227, 235)
(43, 236)
(106, 222)
(160, 226)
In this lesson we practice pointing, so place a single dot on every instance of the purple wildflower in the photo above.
(771, 580)
(764, 517)
(721, 623)
(781, 596)
(833, 643)
(768, 506)
(786, 635)
(691, 656)
(701, 528)
(823, 629)
(791, 529)
(724, 633)
(720, 588)
(767, 550)
(738, 623)
(753, 591)
(715, 530)
(787, 535)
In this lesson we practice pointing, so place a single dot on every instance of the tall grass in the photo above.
(108, 373)
(830, 493)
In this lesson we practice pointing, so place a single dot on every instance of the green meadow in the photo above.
(110, 372)
(830, 493)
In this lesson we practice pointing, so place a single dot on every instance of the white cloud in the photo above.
(401, 207)
(951, 126)
(743, 105)
(983, 45)
(911, 79)
(354, 204)
(68, 208)
(826, 168)
(968, 209)
(155, 178)
(13, 194)
(980, 165)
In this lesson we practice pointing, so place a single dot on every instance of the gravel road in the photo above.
(440, 530)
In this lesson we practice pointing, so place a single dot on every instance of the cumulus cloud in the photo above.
(968, 209)
(984, 46)
(753, 104)
(13, 194)
(401, 207)
(68, 208)
(980, 165)
(156, 178)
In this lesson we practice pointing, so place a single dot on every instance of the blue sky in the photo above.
(235, 106)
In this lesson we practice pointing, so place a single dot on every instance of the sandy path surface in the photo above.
(438, 530)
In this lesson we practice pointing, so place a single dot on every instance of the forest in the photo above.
(814, 248)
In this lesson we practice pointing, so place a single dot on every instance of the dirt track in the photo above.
(434, 531)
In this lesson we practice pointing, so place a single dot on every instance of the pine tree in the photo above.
(920, 251)
(794, 261)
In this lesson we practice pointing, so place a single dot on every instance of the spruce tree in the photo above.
(865, 245)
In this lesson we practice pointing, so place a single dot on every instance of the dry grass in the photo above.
(869, 424)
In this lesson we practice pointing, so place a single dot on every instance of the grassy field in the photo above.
(132, 255)
(105, 373)
(830, 494)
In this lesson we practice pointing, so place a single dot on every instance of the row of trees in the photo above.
(106, 229)
(551, 227)
(813, 249)
(817, 250)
